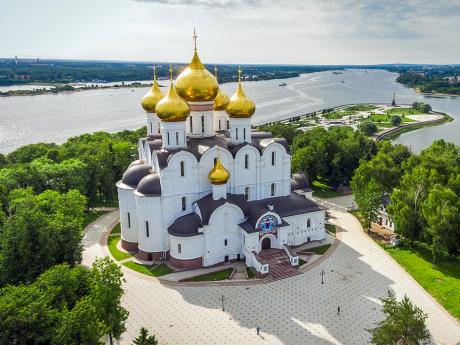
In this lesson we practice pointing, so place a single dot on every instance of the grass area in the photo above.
(403, 111)
(211, 277)
(116, 229)
(361, 107)
(251, 272)
(335, 115)
(441, 280)
(319, 250)
(112, 244)
(91, 216)
(331, 228)
(150, 270)
(322, 190)
(302, 262)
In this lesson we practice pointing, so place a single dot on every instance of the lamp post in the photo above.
(223, 307)
(322, 276)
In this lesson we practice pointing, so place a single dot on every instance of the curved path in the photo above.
(296, 310)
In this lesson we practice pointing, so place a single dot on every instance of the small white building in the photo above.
(206, 188)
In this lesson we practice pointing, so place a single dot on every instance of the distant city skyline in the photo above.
(310, 32)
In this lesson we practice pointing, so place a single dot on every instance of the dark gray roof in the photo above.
(155, 144)
(186, 226)
(136, 162)
(285, 206)
(134, 174)
(208, 205)
(150, 185)
(299, 182)
(265, 142)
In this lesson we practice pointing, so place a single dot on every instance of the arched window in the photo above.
(191, 125)
(220, 126)
(225, 242)
(236, 133)
(244, 133)
(246, 161)
(272, 191)
(151, 128)
(147, 230)
(184, 204)
(129, 220)
(215, 161)
(177, 138)
(228, 124)
(167, 134)
(179, 248)
(182, 168)
(273, 157)
(308, 222)
(246, 192)
(202, 124)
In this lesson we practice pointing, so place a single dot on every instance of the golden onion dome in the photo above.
(151, 98)
(172, 108)
(218, 174)
(240, 106)
(196, 83)
(221, 100)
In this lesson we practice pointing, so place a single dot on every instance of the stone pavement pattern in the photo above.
(296, 310)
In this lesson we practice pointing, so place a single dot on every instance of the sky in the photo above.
(310, 32)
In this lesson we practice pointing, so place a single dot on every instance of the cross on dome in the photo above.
(195, 36)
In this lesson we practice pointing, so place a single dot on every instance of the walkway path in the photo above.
(296, 310)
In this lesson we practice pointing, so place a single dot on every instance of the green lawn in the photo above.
(116, 229)
(403, 111)
(319, 250)
(213, 276)
(91, 216)
(335, 115)
(331, 228)
(150, 270)
(361, 107)
(112, 244)
(302, 262)
(441, 280)
(322, 190)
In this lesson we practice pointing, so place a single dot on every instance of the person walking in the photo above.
(338, 310)
(258, 330)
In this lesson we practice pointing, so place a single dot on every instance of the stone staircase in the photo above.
(279, 265)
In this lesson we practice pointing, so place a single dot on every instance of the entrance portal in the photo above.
(266, 243)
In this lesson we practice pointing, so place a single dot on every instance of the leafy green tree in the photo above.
(28, 153)
(367, 127)
(106, 292)
(287, 131)
(80, 326)
(396, 120)
(404, 324)
(368, 197)
(144, 338)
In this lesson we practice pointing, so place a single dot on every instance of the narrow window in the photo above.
(151, 128)
(244, 133)
(182, 168)
(191, 125)
(308, 222)
(273, 158)
(177, 138)
(246, 193)
(215, 161)
(225, 242)
(184, 205)
(236, 133)
(272, 192)
(202, 124)
(220, 126)
(129, 220)
(228, 124)
(168, 137)
(179, 248)
(147, 231)
(246, 161)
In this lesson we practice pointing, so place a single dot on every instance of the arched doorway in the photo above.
(266, 243)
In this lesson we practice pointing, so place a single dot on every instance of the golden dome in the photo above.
(196, 83)
(218, 174)
(172, 108)
(240, 106)
(151, 98)
(221, 100)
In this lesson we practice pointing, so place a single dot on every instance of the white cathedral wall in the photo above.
(127, 204)
(220, 119)
(223, 225)
(243, 177)
(190, 247)
(205, 165)
(279, 173)
(149, 209)
(300, 232)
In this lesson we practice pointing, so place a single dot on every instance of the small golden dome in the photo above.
(151, 98)
(240, 106)
(221, 100)
(172, 108)
(218, 174)
(196, 83)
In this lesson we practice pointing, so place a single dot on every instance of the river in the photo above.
(56, 117)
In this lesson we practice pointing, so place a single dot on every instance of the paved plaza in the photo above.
(296, 310)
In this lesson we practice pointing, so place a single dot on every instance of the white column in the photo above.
(240, 130)
(153, 124)
(200, 121)
(220, 120)
(219, 191)
(173, 134)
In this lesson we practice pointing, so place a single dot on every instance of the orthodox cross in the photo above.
(194, 38)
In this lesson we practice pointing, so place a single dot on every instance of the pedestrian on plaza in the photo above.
(338, 310)
(258, 330)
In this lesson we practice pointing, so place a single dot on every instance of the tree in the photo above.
(106, 292)
(80, 326)
(144, 338)
(396, 120)
(369, 199)
(367, 127)
(404, 324)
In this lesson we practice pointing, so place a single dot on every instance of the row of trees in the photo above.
(425, 193)
(90, 163)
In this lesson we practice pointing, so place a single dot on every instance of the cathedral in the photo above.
(207, 188)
